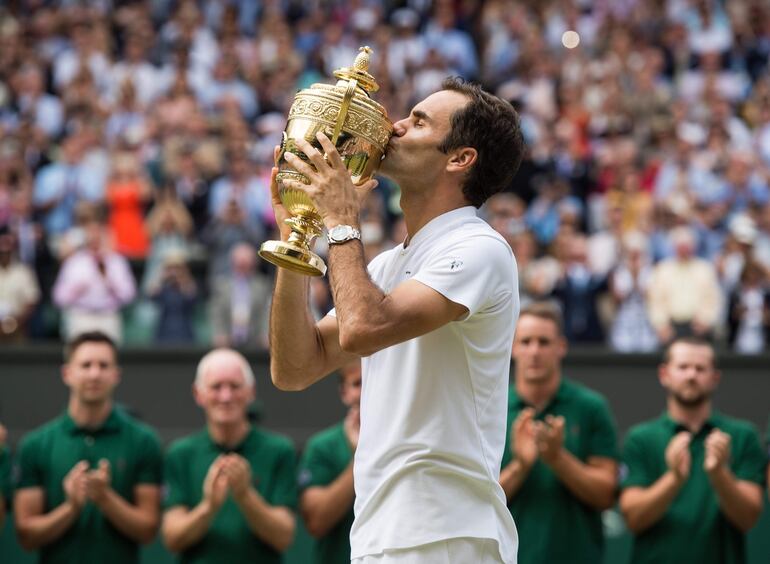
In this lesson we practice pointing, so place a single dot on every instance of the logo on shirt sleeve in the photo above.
(455, 265)
(304, 478)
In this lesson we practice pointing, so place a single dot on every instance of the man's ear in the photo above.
(462, 159)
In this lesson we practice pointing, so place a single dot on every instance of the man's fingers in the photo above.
(299, 165)
(275, 190)
(276, 155)
(80, 468)
(332, 155)
(312, 154)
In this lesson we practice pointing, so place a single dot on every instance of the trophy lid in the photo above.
(359, 71)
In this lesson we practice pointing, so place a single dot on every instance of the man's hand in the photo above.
(237, 470)
(352, 426)
(75, 485)
(678, 458)
(549, 435)
(280, 212)
(215, 484)
(331, 188)
(717, 447)
(3, 435)
(523, 441)
(98, 481)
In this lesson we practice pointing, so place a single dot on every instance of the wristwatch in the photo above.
(342, 234)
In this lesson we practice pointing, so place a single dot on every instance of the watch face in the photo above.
(338, 232)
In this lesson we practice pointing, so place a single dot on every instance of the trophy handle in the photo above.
(346, 99)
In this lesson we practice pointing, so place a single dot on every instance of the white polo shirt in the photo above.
(434, 408)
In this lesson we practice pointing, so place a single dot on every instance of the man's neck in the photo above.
(229, 436)
(691, 417)
(89, 416)
(538, 394)
(422, 206)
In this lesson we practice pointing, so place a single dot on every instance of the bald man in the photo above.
(230, 488)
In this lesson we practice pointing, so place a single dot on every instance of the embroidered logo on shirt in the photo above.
(456, 264)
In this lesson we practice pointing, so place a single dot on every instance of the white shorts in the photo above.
(452, 551)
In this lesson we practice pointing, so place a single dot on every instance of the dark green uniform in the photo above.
(47, 454)
(229, 539)
(553, 525)
(693, 529)
(326, 456)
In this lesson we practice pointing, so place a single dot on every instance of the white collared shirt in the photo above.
(434, 408)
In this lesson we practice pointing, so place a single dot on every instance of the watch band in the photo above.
(342, 234)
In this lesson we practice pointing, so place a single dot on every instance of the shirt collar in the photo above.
(676, 427)
(441, 223)
(110, 425)
(240, 448)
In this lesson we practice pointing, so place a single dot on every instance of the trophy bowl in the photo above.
(358, 127)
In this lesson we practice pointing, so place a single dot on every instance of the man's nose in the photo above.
(399, 128)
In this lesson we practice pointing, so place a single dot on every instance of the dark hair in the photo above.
(492, 127)
(545, 310)
(689, 340)
(88, 337)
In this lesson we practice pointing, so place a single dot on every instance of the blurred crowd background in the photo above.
(136, 140)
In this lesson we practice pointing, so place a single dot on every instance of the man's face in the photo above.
(350, 386)
(92, 373)
(413, 149)
(223, 394)
(537, 349)
(689, 375)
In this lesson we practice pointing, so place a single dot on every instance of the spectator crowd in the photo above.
(136, 140)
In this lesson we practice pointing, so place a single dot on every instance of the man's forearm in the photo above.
(36, 531)
(183, 529)
(358, 301)
(512, 477)
(643, 507)
(324, 507)
(592, 485)
(295, 346)
(137, 523)
(273, 525)
(740, 501)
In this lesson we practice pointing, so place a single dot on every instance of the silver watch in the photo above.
(342, 234)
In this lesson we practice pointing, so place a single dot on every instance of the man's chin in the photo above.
(691, 400)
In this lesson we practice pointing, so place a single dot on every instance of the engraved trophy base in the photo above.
(293, 258)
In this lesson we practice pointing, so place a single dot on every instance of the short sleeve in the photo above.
(316, 466)
(603, 437)
(174, 490)
(472, 272)
(750, 462)
(150, 464)
(29, 471)
(635, 471)
(284, 492)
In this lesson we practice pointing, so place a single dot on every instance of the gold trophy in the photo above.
(359, 128)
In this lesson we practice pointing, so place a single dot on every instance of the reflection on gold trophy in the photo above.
(359, 128)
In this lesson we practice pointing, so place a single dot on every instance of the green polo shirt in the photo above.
(273, 470)
(48, 453)
(693, 529)
(553, 525)
(327, 455)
